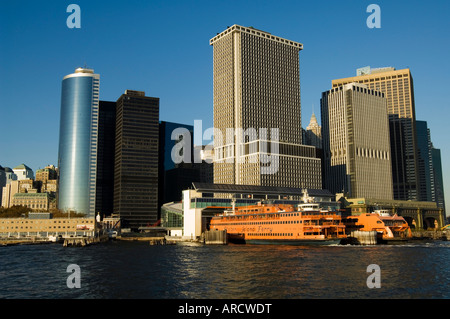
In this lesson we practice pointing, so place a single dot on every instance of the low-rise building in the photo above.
(45, 225)
(23, 172)
(35, 201)
(47, 173)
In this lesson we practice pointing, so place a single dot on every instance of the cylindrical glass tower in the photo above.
(77, 158)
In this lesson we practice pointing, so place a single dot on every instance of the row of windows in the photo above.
(31, 205)
(283, 234)
(263, 223)
(272, 234)
(26, 227)
(40, 222)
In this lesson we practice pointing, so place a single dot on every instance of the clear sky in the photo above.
(162, 48)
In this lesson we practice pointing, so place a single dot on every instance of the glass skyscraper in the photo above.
(78, 136)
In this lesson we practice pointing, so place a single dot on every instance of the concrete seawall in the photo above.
(431, 234)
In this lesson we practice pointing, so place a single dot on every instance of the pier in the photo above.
(160, 240)
(215, 237)
(23, 241)
(83, 241)
(77, 241)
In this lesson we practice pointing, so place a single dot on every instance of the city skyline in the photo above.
(37, 44)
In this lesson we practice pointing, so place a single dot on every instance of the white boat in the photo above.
(54, 239)
(112, 234)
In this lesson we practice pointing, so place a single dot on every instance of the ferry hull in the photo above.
(294, 242)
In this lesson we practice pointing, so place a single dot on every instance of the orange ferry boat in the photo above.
(281, 224)
(390, 228)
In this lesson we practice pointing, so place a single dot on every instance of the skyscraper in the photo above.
(438, 182)
(175, 177)
(136, 159)
(257, 113)
(313, 133)
(356, 142)
(2, 182)
(77, 158)
(397, 86)
(105, 158)
(425, 160)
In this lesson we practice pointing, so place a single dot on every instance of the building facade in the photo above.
(35, 201)
(47, 173)
(425, 160)
(175, 174)
(397, 86)
(44, 226)
(356, 143)
(23, 172)
(438, 181)
(313, 133)
(77, 158)
(257, 111)
(8, 192)
(2, 183)
(136, 159)
(104, 196)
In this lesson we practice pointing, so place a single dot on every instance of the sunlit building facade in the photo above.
(257, 111)
(397, 87)
(357, 159)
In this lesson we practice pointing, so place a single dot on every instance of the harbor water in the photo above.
(123, 270)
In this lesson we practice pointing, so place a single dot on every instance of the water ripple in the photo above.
(122, 270)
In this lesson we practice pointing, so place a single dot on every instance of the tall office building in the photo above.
(257, 112)
(437, 187)
(430, 167)
(2, 182)
(313, 133)
(356, 142)
(397, 86)
(136, 159)
(176, 175)
(77, 158)
(104, 199)
(425, 160)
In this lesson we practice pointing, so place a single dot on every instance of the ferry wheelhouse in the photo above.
(267, 223)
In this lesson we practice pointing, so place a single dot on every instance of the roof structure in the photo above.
(22, 166)
(252, 189)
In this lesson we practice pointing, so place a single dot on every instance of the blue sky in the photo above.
(162, 48)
